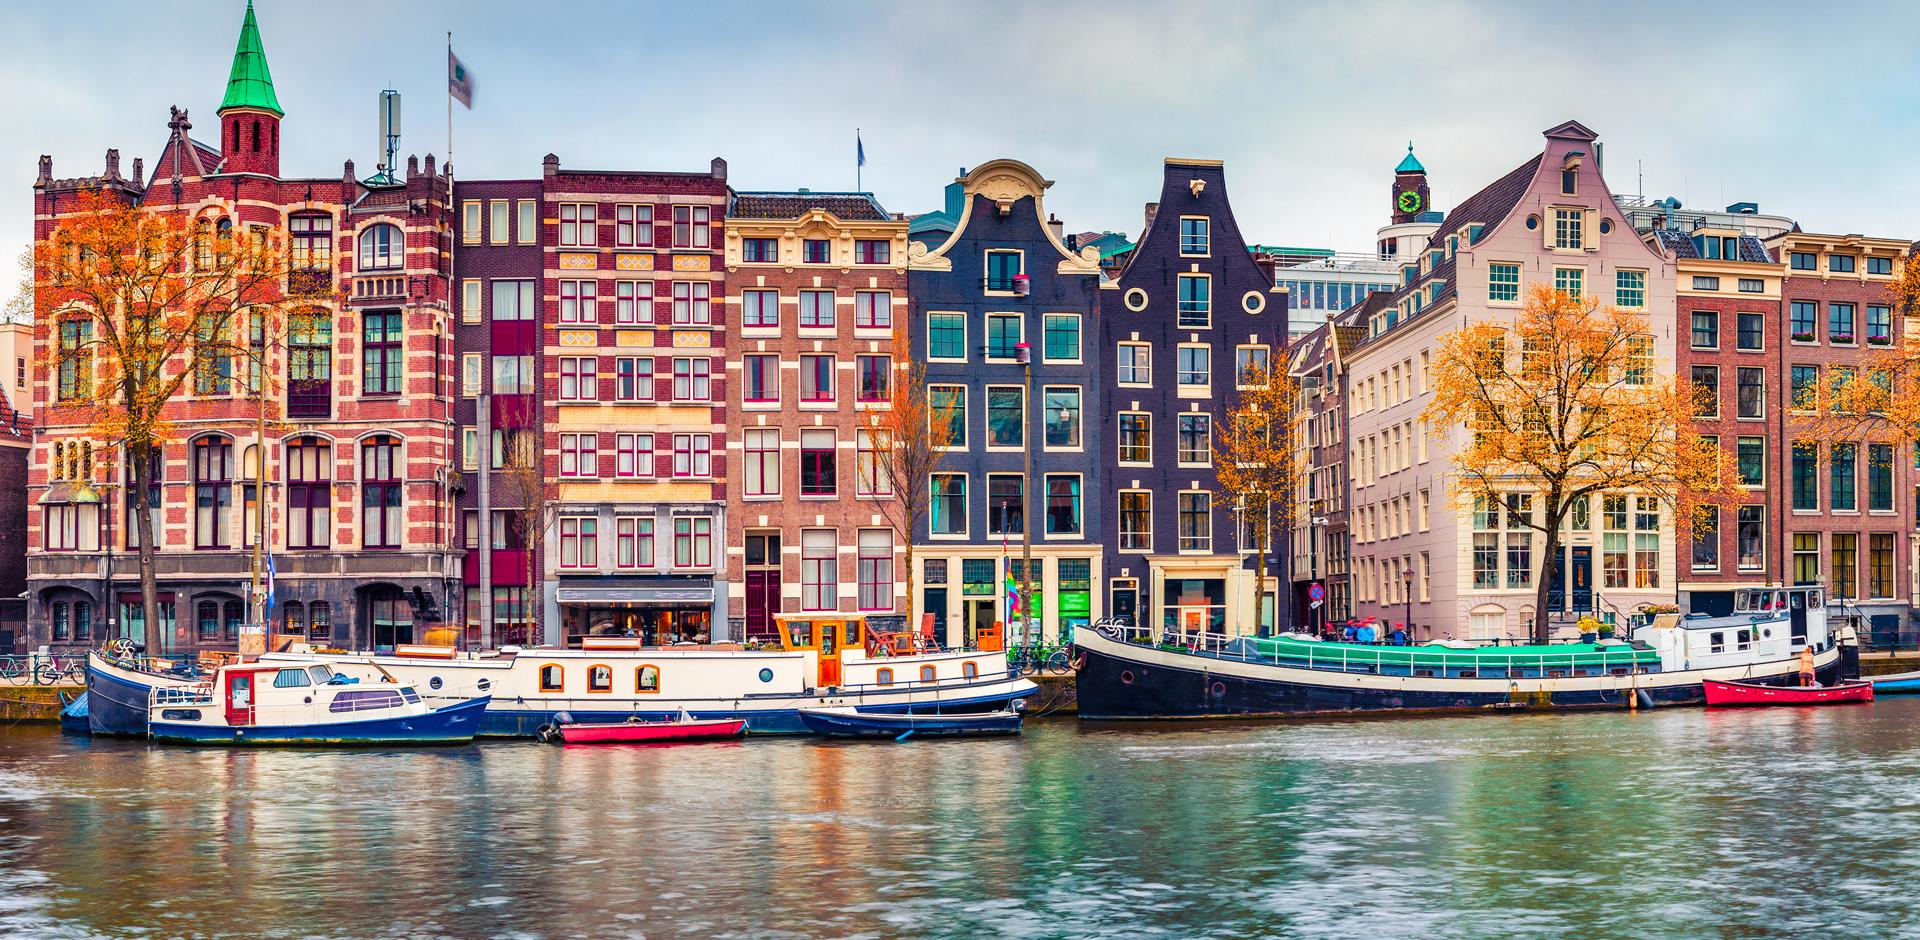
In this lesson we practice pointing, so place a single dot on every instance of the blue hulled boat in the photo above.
(119, 688)
(258, 705)
(854, 723)
(1899, 683)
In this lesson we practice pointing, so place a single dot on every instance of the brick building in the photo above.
(358, 522)
(633, 398)
(816, 283)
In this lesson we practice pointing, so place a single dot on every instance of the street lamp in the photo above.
(1408, 575)
(1023, 354)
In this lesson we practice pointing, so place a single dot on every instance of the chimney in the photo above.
(429, 164)
(550, 166)
(139, 171)
(46, 168)
(346, 176)
(717, 169)
(113, 163)
(1153, 209)
(1056, 226)
(1266, 262)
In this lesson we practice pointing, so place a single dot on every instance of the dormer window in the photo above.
(1473, 233)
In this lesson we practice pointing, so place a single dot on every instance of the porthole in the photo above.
(1136, 299)
(1606, 226)
(1126, 677)
(1533, 222)
(1253, 301)
(485, 684)
(1219, 690)
(766, 675)
(433, 683)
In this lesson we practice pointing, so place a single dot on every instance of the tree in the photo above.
(907, 440)
(524, 483)
(1564, 404)
(1880, 403)
(1258, 461)
(136, 309)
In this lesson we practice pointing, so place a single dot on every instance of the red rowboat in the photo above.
(653, 732)
(1727, 694)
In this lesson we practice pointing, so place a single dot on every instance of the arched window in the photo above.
(599, 678)
(647, 679)
(381, 248)
(380, 509)
(256, 135)
(235, 137)
(203, 243)
(213, 493)
(926, 674)
(273, 138)
(309, 469)
(552, 678)
(970, 669)
(309, 363)
(75, 378)
(62, 626)
(884, 676)
(294, 620)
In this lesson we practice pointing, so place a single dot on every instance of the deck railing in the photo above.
(1344, 658)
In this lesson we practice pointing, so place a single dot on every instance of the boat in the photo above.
(817, 660)
(854, 723)
(1124, 672)
(73, 714)
(120, 684)
(275, 704)
(1724, 694)
(634, 731)
(1899, 683)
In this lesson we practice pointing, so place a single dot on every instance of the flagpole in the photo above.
(858, 162)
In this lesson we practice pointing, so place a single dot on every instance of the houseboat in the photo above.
(281, 705)
(1126, 672)
(120, 684)
(824, 660)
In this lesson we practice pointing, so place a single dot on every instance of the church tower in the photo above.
(250, 113)
(1410, 195)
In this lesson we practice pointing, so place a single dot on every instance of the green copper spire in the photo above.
(1409, 165)
(251, 85)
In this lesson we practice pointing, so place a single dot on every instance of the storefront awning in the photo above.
(678, 594)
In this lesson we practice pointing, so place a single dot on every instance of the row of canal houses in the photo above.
(654, 382)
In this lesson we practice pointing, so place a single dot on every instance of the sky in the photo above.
(1807, 110)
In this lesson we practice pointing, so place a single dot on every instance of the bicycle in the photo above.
(1041, 656)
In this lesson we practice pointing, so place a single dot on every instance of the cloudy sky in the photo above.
(1807, 110)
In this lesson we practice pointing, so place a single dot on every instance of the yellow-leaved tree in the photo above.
(905, 445)
(1878, 401)
(1566, 403)
(1258, 460)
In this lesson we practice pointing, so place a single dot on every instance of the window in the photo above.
(552, 678)
(213, 493)
(1800, 315)
(579, 302)
(1195, 366)
(1706, 539)
(380, 500)
(1840, 264)
(1062, 416)
(309, 469)
(633, 542)
(873, 310)
(1194, 236)
(382, 357)
(1195, 440)
(692, 303)
(874, 569)
(1805, 381)
(1840, 469)
(1063, 504)
(212, 357)
(76, 359)
(872, 251)
(1879, 324)
(1840, 323)
(1569, 281)
(382, 248)
(870, 473)
(579, 378)
(816, 309)
(876, 378)
(1806, 557)
(1569, 178)
(1845, 549)
(1136, 364)
(1705, 283)
(1250, 364)
(633, 302)
(947, 404)
(1002, 268)
(1503, 281)
(310, 245)
(578, 225)
(947, 336)
(693, 455)
(513, 375)
(1706, 391)
(1006, 504)
(1569, 228)
(1751, 459)
(513, 300)
(693, 379)
(691, 227)
(1629, 289)
(1136, 521)
(499, 215)
(760, 308)
(1195, 306)
(529, 227)
(1196, 521)
(1750, 392)
(819, 569)
(1136, 437)
(1005, 332)
(1880, 478)
(762, 449)
(1806, 471)
(1752, 331)
(580, 455)
(816, 251)
(693, 542)
(760, 250)
(470, 222)
(1752, 285)
(633, 378)
(948, 514)
(579, 542)
(632, 455)
(1006, 416)
(1750, 541)
(760, 373)
(1639, 364)
(816, 379)
(1880, 562)
(1061, 337)
(819, 462)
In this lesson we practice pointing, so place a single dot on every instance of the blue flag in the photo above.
(268, 607)
(859, 149)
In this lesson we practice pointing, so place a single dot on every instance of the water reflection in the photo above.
(1673, 823)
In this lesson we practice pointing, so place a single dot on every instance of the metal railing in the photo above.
(37, 669)
(1344, 658)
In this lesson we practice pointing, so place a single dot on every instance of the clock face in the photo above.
(1409, 201)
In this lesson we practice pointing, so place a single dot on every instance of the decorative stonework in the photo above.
(1253, 301)
(633, 262)
(578, 261)
(693, 262)
(691, 339)
(634, 338)
(579, 339)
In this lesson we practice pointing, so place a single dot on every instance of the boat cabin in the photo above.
(827, 634)
(1767, 624)
(276, 694)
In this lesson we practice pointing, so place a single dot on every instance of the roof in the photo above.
(1410, 164)
(250, 85)
(860, 207)
(1752, 249)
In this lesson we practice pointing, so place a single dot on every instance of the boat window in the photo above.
(291, 679)
(1743, 639)
(970, 669)
(410, 695)
(1423, 673)
(599, 678)
(1716, 642)
(884, 676)
(354, 700)
(321, 674)
(1618, 670)
(180, 714)
(1469, 673)
(801, 632)
(853, 633)
(646, 679)
(926, 674)
(552, 678)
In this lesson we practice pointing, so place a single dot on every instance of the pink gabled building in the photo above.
(1466, 573)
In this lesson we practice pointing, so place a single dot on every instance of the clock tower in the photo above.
(1410, 195)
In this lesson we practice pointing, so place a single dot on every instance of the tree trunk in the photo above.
(142, 455)
(1555, 508)
(911, 626)
(1263, 542)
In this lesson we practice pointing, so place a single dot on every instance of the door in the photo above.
(239, 699)
(1582, 573)
(1557, 581)
(1125, 600)
(763, 598)
(826, 637)
(933, 606)
(979, 617)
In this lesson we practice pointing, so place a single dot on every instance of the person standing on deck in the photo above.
(1806, 666)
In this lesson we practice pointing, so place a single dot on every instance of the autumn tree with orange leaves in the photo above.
(1879, 402)
(135, 309)
(906, 443)
(1258, 461)
(1565, 403)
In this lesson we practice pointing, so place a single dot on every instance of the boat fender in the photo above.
(1646, 701)
(547, 733)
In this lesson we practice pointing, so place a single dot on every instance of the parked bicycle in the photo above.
(1038, 656)
(43, 670)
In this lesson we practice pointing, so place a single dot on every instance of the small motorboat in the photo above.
(635, 731)
(1721, 694)
(73, 714)
(274, 704)
(1899, 683)
(854, 723)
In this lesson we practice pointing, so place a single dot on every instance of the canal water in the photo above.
(1679, 822)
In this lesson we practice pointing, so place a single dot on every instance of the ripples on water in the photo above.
(1674, 823)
